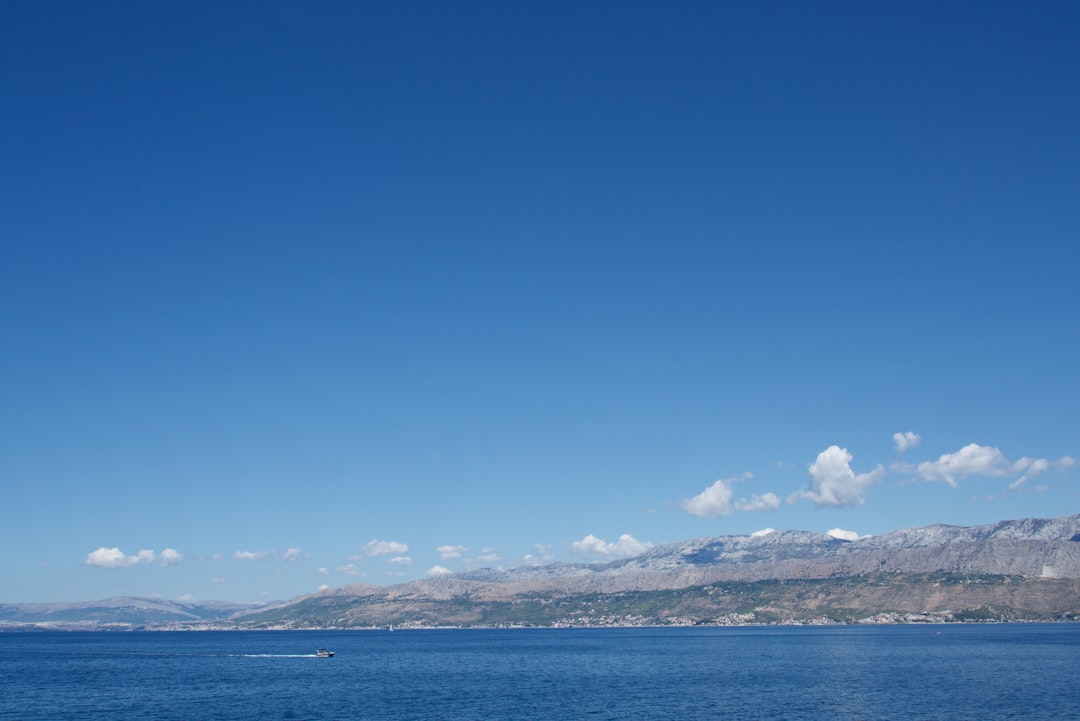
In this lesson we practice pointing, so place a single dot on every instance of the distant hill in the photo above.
(121, 612)
(1013, 570)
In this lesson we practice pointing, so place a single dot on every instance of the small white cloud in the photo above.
(541, 554)
(905, 441)
(843, 535)
(762, 532)
(1028, 468)
(289, 555)
(185, 598)
(448, 552)
(115, 558)
(1032, 467)
(400, 560)
(324, 587)
(716, 500)
(350, 569)
(384, 548)
(170, 556)
(323, 570)
(713, 501)
(834, 484)
(488, 555)
(435, 571)
(219, 579)
(766, 502)
(627, 545)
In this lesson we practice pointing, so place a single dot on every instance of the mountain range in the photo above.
(1025, 569)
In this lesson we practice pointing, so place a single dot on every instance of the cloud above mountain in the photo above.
(288, 555)
(384, 548)
(169, 556)
(844, 535)
(448, 552)
(717, 500)
(986, 461)
(834, 484)
(627, 545)
(115, 558)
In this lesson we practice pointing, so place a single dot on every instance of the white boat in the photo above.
(324, 653)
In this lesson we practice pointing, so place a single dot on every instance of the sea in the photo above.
(980, 672)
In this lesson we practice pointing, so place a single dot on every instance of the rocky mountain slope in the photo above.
(1032, 548)
(1013, 569)
(1024, 569)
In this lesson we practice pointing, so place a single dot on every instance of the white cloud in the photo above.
(112, 558)
(987, 461)
(971, 460)
(541, 554)
(400, 560)
(488, 555)
(1031, 467)
(844, 535)
(170, 556)
(384, 548)
(289, 554)
(762, 532)
(627, 545)
(834, 484)
(438, 571)
(905, 441)
(716, 500)
(323, 570)
(186, 598)
(713, 501)
(350, 569)
(217, 580)
(766, 502)
(448, 552)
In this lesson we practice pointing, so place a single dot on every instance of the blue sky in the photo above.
(304, 294)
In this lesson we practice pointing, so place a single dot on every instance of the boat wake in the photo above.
(276, 655)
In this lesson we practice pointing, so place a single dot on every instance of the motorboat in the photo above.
(324, 653)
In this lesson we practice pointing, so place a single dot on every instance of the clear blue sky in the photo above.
(297, 294)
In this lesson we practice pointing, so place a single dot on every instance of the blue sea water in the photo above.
(948, 672)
